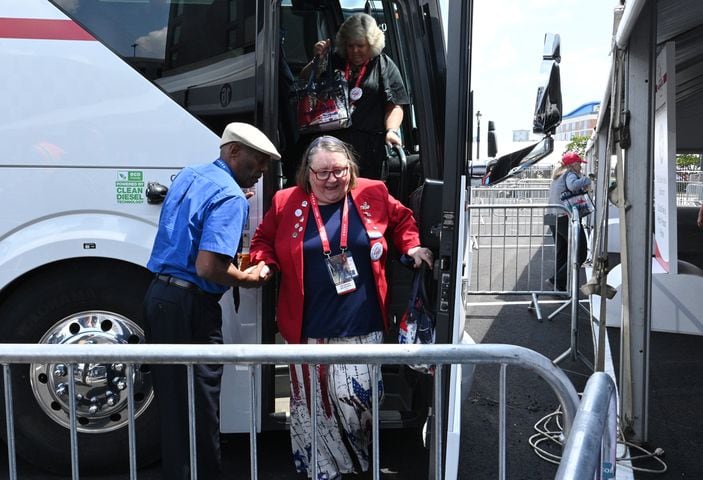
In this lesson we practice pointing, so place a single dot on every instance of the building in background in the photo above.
(580, 121)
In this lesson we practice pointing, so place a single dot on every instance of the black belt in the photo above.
(186, 285)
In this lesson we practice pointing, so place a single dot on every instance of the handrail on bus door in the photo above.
(396, 151)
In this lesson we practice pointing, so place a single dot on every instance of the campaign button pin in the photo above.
(355, 93)
(376, 251)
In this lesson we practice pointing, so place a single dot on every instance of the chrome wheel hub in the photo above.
(100, 389)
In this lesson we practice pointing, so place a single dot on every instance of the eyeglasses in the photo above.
(323, 175)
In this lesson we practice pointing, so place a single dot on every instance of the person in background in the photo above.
(333, 219)
(376, 90)
(199, 231)
(699, 220)
(566, 177)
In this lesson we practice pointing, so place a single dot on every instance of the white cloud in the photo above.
(153, 44)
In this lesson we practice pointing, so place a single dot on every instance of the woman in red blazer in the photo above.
(327, 237)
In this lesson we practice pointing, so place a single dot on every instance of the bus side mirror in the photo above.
(548, 106)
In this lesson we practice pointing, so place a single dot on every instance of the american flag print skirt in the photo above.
(344, 416)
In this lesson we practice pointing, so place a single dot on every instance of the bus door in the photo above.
(444, 195)
(415, 42)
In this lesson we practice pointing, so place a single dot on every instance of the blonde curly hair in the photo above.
(358, 26)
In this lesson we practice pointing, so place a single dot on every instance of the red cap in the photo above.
(571, 157)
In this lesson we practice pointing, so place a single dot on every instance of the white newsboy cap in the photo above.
(250, 136)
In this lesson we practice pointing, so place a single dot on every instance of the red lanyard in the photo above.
(321, 225)
(347, 73)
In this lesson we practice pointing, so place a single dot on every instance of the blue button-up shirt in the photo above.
(205, 209)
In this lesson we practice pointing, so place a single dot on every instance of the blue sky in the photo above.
(507, 50)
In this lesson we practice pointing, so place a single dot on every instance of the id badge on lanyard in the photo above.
(342, 272)
(341, 267)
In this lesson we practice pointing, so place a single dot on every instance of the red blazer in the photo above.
(278, 241)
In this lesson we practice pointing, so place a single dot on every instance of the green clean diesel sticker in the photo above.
(129, 186)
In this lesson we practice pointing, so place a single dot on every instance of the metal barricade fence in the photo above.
(591, 449)
(513, 243)
(515, 246)
(255, 355)
(689, 193)
(689, 187)
(519, 192)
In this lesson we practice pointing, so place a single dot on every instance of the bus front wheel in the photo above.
(82, 302)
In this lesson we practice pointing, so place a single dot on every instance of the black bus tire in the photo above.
(32, 309)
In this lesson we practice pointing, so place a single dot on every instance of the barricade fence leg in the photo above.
(535, 305)
(252, 423)
(502, 422)
(438, 413)
(131, 429)
(573, 351)
(191, 424)
(73, 423)
(313, 417)
(10, 422)
(376, 444)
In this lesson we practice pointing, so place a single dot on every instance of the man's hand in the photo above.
(258, 275)
(220, 269)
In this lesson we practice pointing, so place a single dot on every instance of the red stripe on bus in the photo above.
(42, 29)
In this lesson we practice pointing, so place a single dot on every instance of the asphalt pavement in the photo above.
(675, 417)
(529, 399)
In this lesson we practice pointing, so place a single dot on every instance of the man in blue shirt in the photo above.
(199, 232)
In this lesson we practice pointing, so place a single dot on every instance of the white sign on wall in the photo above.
(665, 218)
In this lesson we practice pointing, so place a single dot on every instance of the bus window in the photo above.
(210, 75)
(300, 29)
(158, 38)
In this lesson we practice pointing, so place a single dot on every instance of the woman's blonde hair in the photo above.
(328, 144)
(358, 26)
(560, 169)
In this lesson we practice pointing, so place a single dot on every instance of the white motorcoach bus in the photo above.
(104, 101)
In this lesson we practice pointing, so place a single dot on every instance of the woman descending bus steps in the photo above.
(327, 237)
(376, 90)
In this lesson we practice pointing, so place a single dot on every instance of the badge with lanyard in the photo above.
(341, 267)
